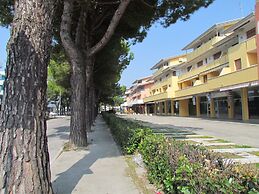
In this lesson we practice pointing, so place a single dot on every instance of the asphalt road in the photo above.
(236, 132)
(58, 134)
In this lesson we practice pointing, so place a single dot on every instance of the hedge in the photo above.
(179, 167)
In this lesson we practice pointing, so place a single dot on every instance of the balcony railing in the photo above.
(156, 97)
(159, 71)
(195, 72)
(203, 48)
(237, 77)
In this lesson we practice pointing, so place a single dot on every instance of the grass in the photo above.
(218, 141)
(228, 146)
(140, 182)
(254, 153)
(230, 155)
(67, 147)
(202, 137)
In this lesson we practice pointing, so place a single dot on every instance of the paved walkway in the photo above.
(58, 135)
(100, 169)
(239, 133)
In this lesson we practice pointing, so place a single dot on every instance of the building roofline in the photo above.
(166, 59)
(211, 29)
(147, 77)
(240, 23)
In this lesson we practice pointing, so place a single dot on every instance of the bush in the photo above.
(178, 167)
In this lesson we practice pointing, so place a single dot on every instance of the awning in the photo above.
(135, 102)
(183, 98)
(219, 94)
(189, 78)
(255, 83)
(214, 69)
(234, 87)
(150, 103)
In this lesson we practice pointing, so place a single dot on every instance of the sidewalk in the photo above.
(100, 169)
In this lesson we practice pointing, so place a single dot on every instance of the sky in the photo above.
(166, 42)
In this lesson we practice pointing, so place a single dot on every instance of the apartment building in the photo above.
(135, 95)
(218, 78)
(165, 84)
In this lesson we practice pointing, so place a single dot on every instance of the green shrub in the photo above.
(179, 167)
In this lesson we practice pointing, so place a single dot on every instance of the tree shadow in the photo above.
(60, 132)
(102, 146)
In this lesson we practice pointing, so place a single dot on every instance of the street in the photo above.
(236, 132)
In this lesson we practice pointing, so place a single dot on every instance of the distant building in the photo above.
(135, 95)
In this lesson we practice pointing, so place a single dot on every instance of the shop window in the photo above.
(250, 33)
(200, 63)
(217, 55)
(238, 65)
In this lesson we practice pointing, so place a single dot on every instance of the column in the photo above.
(212, 108)
(198, 106)
(184, 108)
(230, 107)
(160, 108)
(155, 109)
(245, 109)
(166, 108)
(146, 109)
(172, 107)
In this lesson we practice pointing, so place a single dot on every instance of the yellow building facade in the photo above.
(218, 78)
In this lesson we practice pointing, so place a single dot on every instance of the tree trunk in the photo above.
(89, 81)
(78, 135)
(24, 158)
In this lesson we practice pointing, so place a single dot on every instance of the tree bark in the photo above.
(78, 135)
(24, 158)
(89, 81)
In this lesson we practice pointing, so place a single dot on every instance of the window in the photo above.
(167, 75)
(250, 33)
(189, 68)
(174, 73)
(217, 55)
(205, 78)
(160, 79)
(200, 63)
(238, 65)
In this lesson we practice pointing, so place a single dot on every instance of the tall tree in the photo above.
(24, 158)
(86, 33)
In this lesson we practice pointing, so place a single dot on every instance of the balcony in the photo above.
(195, 72)
(251, 44)
(203, 48)
(237, 77)
(156, 97)
(159, 71)
(162, 83)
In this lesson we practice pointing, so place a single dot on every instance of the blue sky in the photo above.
(162, 43)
